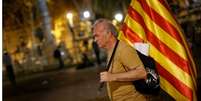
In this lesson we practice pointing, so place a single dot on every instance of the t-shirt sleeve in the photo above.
(129, 57)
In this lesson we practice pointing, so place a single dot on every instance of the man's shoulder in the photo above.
(124, 45)
(126, 48)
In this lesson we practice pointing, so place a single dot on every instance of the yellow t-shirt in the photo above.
(121, 90)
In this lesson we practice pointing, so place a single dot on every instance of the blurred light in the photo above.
(69, 15)
(62, 53)
(52, 32)
(86, 14)
(114, 22)
(118, 17)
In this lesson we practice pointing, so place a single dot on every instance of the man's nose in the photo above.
(94, 35)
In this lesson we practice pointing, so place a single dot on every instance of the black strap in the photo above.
(112, 56)
(109, 63)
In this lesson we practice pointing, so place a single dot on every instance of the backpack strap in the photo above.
(112, 56)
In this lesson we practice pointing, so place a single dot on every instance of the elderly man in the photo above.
(125, 66)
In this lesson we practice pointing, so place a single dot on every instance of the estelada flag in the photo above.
(151, 22)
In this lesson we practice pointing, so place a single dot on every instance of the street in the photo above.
(62, 85)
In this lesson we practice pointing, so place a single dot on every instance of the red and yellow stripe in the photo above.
(151, 21)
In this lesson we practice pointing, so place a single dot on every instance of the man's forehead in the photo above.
(99, 26)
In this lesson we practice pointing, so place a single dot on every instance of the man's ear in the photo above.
(110, 34)
(107, 36)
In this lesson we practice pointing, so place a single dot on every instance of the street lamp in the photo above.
(86, 14)
(118, 17)
(69, 16)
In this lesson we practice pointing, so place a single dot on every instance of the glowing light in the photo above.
(86, 14)
(69, 15)
(118, 17)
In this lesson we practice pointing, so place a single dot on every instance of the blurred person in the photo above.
(7, 62)
(57, 55)
(125, 67)
(39, 50)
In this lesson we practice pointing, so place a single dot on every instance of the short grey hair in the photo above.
(108, 25)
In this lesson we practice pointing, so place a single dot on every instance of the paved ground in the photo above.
(63, 85)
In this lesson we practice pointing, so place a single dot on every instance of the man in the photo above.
(125, 67)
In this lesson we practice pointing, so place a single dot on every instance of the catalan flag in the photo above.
(151, 22)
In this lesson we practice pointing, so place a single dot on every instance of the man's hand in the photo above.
(106, 76)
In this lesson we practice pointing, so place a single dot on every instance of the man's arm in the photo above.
(131, 75)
